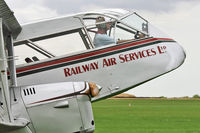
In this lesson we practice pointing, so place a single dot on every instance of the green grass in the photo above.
(147, 116)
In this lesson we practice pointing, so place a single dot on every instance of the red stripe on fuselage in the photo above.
(84, 55)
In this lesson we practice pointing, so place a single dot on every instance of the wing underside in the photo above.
(11, 25)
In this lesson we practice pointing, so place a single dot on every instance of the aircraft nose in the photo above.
(177, 55)
(181, 55)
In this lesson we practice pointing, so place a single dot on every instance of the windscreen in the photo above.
(136, 22)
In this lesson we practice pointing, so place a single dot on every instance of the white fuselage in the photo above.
(116, 67)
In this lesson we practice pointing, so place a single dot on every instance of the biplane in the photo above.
(51, 70)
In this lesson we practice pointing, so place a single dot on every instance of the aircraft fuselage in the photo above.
(116, 68)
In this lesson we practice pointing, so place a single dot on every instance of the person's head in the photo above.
(102, 26)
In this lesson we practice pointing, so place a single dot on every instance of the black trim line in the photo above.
(90, 58)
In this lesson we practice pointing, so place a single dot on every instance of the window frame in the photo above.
(128, 25)
(31, 44)
(116, 20)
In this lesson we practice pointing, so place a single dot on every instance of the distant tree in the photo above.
(162, 97)
(196, 96)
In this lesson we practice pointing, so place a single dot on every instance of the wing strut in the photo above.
(11, 61)
(3, 76)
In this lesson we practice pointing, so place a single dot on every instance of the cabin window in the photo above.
(24, 52)
(61, 45)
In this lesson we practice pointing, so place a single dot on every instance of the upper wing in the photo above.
(11, 24)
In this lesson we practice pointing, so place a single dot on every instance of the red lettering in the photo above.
(131, 55)
(153, 52)
(148, 52)
(113, 61)
(126, 56)
(73, 71)
(109, 62)
(138, 54)
(96, 65)
(67, 72)
(105, 63)
(143, 53)
(78, 70)
(161, 49)
(92, 67)
(121, 58)
(86, 67)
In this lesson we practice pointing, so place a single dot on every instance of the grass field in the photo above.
(147, 116)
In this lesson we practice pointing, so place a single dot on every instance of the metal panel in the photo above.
(61, 120)
(53, 27)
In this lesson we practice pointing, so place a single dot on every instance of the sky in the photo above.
(180, 19)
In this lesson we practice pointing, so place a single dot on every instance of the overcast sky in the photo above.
(178, 18)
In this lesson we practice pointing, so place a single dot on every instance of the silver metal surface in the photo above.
(63, 104)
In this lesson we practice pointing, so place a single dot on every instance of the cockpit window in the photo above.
(104, 30)
(99, 28)
(136, 22)
(123, 32)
